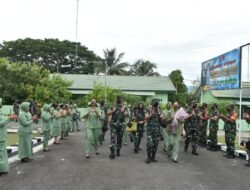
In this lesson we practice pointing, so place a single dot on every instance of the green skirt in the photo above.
(25, 148)
(56, 131)
(4, 167)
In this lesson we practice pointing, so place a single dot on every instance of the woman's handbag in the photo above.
(131, 127)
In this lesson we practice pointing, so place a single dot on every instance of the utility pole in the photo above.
(76, 39)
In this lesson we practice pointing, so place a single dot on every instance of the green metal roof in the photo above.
(125, 83)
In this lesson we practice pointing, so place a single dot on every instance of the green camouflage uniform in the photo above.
(139, 116)
(192, 130)
(117, 130)
(203, 129)
(230, 134)
(153, 134)
(213, 129)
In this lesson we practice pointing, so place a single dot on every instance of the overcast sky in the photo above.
(174, 34)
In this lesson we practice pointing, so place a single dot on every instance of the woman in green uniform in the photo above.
(93, 126)
(56, 132)
(25, 151)
(63, 122)
(46, 126)
(4, 168)
(174, 135)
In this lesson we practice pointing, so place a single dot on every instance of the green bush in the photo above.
(28, 81)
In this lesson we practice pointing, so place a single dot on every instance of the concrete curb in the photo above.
(239, 153)
(37, 147)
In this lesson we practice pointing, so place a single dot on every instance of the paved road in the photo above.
(65, 168)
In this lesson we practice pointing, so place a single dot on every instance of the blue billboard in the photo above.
(222, 72)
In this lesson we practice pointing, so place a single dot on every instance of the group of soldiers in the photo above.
(60, 119)
(159, 125)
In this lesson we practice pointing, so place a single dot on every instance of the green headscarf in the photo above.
(169, 105)
(46, 107)
(25, 106)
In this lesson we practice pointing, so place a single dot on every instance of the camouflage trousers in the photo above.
(203, 133)
(153, 139)
(192, 136)
(116, 136)
(213, 129)
(230, 141)
(138, 136)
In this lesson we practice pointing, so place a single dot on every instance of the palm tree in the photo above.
(144, 68)
(114, 65)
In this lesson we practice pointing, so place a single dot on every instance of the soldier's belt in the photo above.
(117, 123)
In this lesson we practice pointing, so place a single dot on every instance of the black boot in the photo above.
(248, 163)
(118, 152)
(112, 154)
(136, 150)
(149, 157)
(231, 155)
(153, 157)
(227, 153)
(185, 148)
(194, 152)
(214, 148)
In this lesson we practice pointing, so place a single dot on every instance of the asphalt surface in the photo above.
(66, 168)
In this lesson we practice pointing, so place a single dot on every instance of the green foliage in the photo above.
(99, 94)
(56, 56)
(178, 81)
(26, 81)
(181, 98)
(144, 68)
(53, 89)
(182, 93)
(113, 62)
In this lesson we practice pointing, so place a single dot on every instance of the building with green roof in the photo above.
(153, 87)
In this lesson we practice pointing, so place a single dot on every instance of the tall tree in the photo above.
(24, 81)
(181, 88)
(178, 81)
(144, 68)
(114, 64)
(53, 54)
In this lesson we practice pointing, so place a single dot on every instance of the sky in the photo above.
(174, 34)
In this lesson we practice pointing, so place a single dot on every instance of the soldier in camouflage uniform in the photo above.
(118, 113)
(153, 131)
(213, 127)
(139, 116)
(203, 116)
(230, 130)
(192, 129)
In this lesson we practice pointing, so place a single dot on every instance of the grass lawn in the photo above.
(13, 138)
